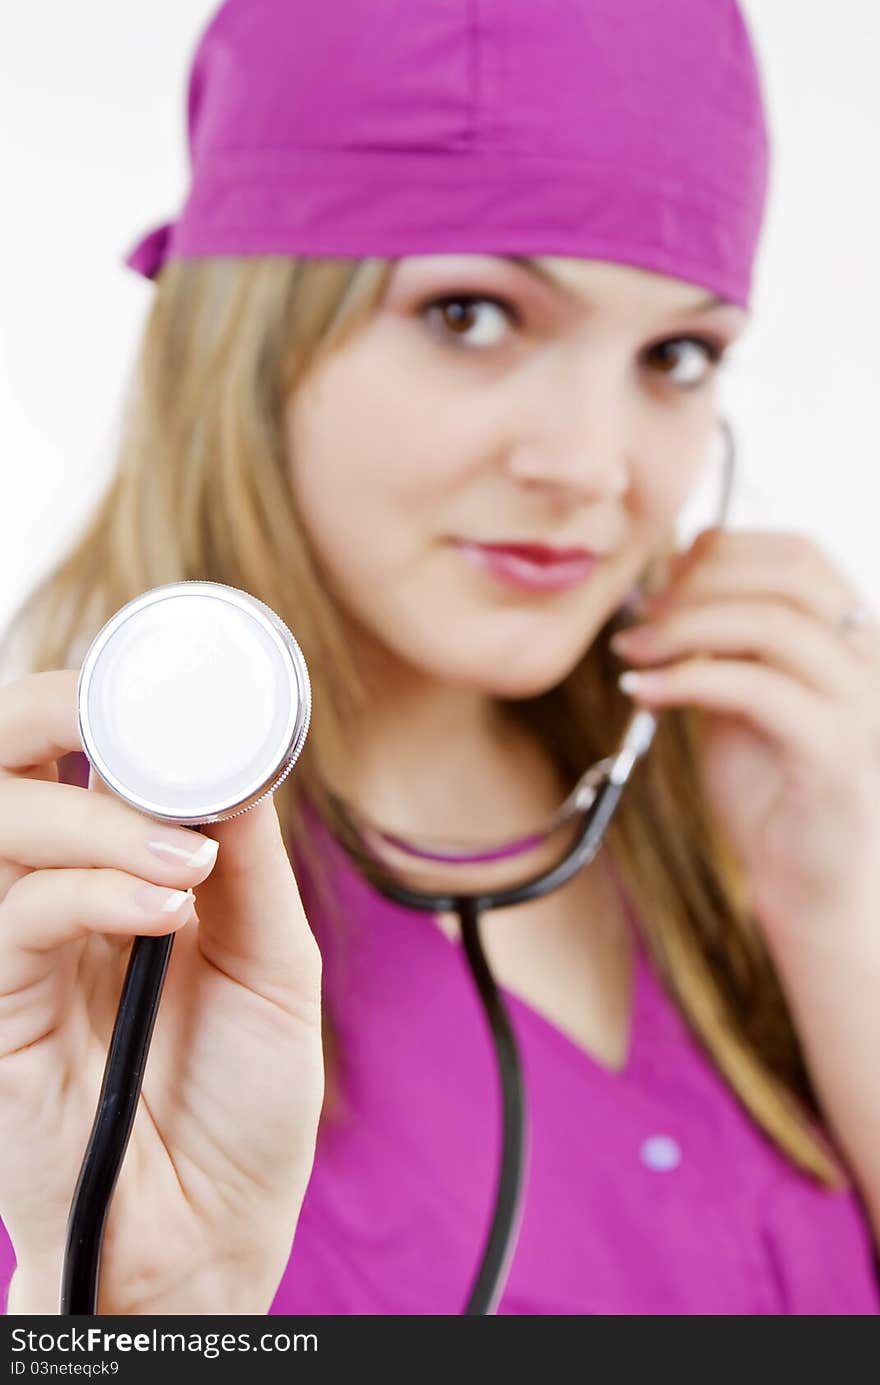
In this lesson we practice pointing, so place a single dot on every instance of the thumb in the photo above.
(252, 923)
(96, 783)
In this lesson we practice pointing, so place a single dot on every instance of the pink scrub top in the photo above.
(650, 1191)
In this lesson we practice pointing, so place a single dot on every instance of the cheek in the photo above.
(369, 473)
(672, 464)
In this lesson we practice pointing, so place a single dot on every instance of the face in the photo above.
(570, 405)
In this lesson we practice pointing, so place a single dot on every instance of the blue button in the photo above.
(660, 1153)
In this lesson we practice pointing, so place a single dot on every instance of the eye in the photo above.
(686, 361)
(457, 318)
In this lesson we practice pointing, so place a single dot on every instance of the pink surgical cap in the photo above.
(623, 130)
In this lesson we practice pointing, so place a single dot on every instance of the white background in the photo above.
(92, 154)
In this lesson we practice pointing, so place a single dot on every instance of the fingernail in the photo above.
(631, 682)
(621, 641)
(158, 899)
(176, 848)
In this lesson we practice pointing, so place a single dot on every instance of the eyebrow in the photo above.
(702, 306)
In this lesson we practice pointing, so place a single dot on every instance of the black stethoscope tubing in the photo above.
(503, 1231)
(133, 1029)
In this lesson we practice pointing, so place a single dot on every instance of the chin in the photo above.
(500, 655)
(516, 685)
(530, 674)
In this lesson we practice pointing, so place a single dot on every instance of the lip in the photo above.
(531, 567)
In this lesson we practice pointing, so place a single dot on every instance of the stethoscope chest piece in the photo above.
(193, 702)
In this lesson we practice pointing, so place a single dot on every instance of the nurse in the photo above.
(432, 369)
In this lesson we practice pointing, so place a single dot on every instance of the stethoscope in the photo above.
(194, 703)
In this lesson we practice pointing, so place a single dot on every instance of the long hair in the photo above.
(201, 490)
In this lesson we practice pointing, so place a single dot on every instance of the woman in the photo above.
(474, 296)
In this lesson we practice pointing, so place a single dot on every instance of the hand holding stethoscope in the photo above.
(204, 1211)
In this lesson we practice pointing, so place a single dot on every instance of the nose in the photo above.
(574, 441)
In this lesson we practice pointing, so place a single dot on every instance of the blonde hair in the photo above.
(201, 491)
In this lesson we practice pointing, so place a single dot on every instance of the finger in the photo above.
(769, 630)
(38, 719)
(43, 825)
(791, 714)
(754, 562)
(48, 772)
(253, 925)
(47, 909)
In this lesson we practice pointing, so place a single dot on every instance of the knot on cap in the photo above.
(151, 251)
